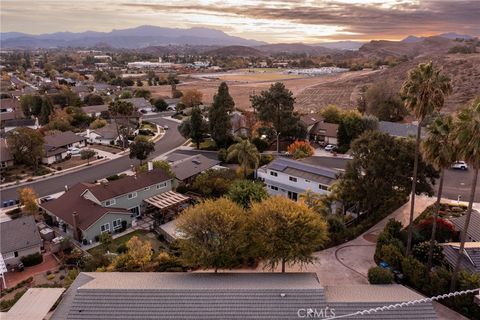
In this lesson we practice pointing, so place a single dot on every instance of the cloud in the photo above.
(357, 20)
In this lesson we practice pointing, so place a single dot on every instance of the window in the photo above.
(322, 187)
(292, 179)
(110, 202)
(16, 254)
(105, 228)
(146, 188)
(292, 195)
(273, 187)
(132, 195)
(273, 173)
(117, 224)
(135, 211)
(307, 180)
(8, 255)
(161, 185)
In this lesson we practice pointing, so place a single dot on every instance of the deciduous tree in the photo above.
(286, 232)
(26, 146)
(87, 154)
(141, 148)
(300, 149)
(246, 192)
(212, 234)
(192, 98)
(28, 199)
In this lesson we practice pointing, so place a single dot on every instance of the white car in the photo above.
(329, 147)
(462, 165)
(165, 127)
(73, 151)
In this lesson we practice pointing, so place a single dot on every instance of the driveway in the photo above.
(170, 140)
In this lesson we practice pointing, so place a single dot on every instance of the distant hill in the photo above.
(342, 45)
(448, 35)
(235, 51)
(383, 48)
(290, 48)
(133, 38)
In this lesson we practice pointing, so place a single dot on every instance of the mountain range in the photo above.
(153, 36)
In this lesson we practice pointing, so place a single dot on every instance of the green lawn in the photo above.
(101, 249)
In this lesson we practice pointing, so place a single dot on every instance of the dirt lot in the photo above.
(312, 92)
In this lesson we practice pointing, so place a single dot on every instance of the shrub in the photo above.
(113, 177)
(420, 251)
(51, 277)
(392, 255)
(261, 144)
(5, 305)
(377, 275)
(222, 155)
(415, 272)
(32, 260)
(300, 149)
(444, 233)
(122, 248)
(265, 159)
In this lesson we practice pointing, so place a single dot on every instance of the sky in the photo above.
(274, 21)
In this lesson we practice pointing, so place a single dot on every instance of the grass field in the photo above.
(141, 234)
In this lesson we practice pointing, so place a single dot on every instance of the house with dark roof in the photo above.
(187, 167)
(6, 158)
(320, 131)
(139, 103)
(470, 260)
(56, 145)
(397, 129)
(106, 135)
(95, 111)
(290, 178)
(19, 238)
(246, 296)
(473, 232)
(85, 211)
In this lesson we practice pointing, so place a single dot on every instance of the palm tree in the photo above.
(246, 154)
(437, 149)
(467, 137)
(121, 109)
(424, 92)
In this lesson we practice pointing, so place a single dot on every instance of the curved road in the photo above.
(169, 141)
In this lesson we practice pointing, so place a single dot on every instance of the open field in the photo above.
(242, 90)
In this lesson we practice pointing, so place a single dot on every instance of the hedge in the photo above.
(377, 275)
(32, 259)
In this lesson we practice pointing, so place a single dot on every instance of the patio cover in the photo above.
(34, 304)
(167, 199)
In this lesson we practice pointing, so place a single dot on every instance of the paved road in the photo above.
(458, 182)
(170, 140)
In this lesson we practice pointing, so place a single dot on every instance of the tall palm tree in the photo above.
(467, 137)
(423, 92)
(437, 149)
(246, 154)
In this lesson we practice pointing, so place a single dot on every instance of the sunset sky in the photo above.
(309, 21)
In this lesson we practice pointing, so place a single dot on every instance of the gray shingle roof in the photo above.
(191, 166)
(5, 154)
(212, 296)
(473, 232)
(62, 139)
(397, 129)
(18, 234)
(304, 170)
(95, 109)
(469, 262)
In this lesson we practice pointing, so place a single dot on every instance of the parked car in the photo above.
(462, 165)
(143, 111)
(73, 151)
(329, 147)
(165, 127)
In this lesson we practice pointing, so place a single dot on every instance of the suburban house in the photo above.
(396, 129)
(87, 210)
(107, 135)
(186, 167)
(9, 105)
(95, 111)
(56, 146)
(6, 158)
(172, 103)
(470, 260)
(19, 238)
(290, 178)
(320, 131)
(473, 232)
(239, 124)
(192, 295)
(139, 103)
(11, 124)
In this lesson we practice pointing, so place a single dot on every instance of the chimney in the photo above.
(66, 188)
(76, 231)
(150, 165)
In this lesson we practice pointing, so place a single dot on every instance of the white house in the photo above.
(106, 135)
(290, 178)
(56, 146)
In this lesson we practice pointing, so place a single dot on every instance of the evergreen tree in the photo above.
(219, 116)
(194, 128)
(45, 111)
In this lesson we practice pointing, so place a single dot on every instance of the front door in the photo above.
(135, 211)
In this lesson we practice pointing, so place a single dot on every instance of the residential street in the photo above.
(170, 140)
